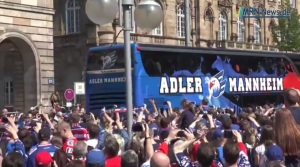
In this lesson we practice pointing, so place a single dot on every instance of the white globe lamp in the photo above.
(148, 15)
(101, 11)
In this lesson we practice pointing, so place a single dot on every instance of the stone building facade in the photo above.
(26, 53)
(214, 23)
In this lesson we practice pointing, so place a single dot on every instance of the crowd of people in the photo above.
(201, 136)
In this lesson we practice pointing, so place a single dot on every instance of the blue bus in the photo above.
(227, 78)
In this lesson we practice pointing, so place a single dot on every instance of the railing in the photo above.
(100, 100)
(67, 40)
(244, 46)
(151, 39)
(73, 40)
(154, 39)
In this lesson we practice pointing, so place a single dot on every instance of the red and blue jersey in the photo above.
(68, 146)
(80, 133)
(38, 148)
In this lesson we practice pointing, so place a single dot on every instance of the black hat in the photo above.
(44, 133)
(32, 123)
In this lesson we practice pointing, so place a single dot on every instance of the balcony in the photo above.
(153, 39)
(244, 46)
(226, 44)
(66, 40)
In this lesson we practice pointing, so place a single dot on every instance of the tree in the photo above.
(286, 34)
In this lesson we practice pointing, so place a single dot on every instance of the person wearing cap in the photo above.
(274, 153)
(44, 145)
(43, 159)
(94, 158)
(219, 139)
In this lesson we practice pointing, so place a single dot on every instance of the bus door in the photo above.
(244, 100)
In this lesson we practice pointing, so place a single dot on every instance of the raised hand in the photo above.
(152, 101)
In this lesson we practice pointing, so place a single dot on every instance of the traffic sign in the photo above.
(79, 88)
(69, 94)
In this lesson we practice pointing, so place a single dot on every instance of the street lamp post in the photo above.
(148, 15)
(127, 28)
(187, 16)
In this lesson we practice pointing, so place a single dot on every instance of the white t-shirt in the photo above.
(260, 150)
(146, 164)
(92, 142)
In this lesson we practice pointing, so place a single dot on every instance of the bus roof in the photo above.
(185, 49)
(293, 58)
(104, 47)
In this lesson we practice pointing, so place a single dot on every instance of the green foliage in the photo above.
(286, 34)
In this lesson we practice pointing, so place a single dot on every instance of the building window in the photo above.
(180, 22)
(223, 26)
(132, 22)
(293, 3)
(72, 16)
(240, 30)
(272, 29)
(257, 31)
(158, 30)
(9, 93)
(278, 35)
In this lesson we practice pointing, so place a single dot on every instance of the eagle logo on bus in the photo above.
(216, 85)
(109, 60)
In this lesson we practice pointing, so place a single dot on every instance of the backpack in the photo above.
(171, 155)
(250, 152)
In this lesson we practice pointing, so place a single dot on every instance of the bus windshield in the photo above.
(296, 61)
(106, 59)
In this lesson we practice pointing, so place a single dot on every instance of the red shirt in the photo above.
(194, 150)
(68, 146)
(113, 162)
(80, 133)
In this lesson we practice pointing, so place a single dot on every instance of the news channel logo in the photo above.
(255, 12)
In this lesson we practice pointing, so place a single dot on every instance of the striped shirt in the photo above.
(80, 133)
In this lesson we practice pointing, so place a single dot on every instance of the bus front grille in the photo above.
(100, 100)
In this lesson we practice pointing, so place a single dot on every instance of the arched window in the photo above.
(9, 91)
(223, 26)
(180, 22)
(158, 30)
(240, 30)
(72, 16)
(257, 31)
(273, 29)
(293, 3)
(209, 17)
(272, 25)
